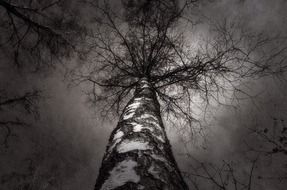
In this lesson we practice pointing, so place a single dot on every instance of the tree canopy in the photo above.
(152, 39)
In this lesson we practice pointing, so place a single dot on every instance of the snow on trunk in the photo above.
(139, 155)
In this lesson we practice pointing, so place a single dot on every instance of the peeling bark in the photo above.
(139, 155)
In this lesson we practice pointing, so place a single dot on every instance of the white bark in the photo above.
(139, 155)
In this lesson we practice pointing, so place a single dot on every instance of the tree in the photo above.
(222, 176)
(28, 103)
(139, 154)
(39, 33)
(34, 35)
(141, 54)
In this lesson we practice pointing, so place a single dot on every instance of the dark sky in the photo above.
(68, 140)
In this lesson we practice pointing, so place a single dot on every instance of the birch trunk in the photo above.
(139, 155)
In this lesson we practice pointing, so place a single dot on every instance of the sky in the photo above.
(67, 141)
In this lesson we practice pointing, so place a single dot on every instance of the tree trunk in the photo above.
(139, 155)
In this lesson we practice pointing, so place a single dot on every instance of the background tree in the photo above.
(35, 35)
(20, 103)
(39, 32)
